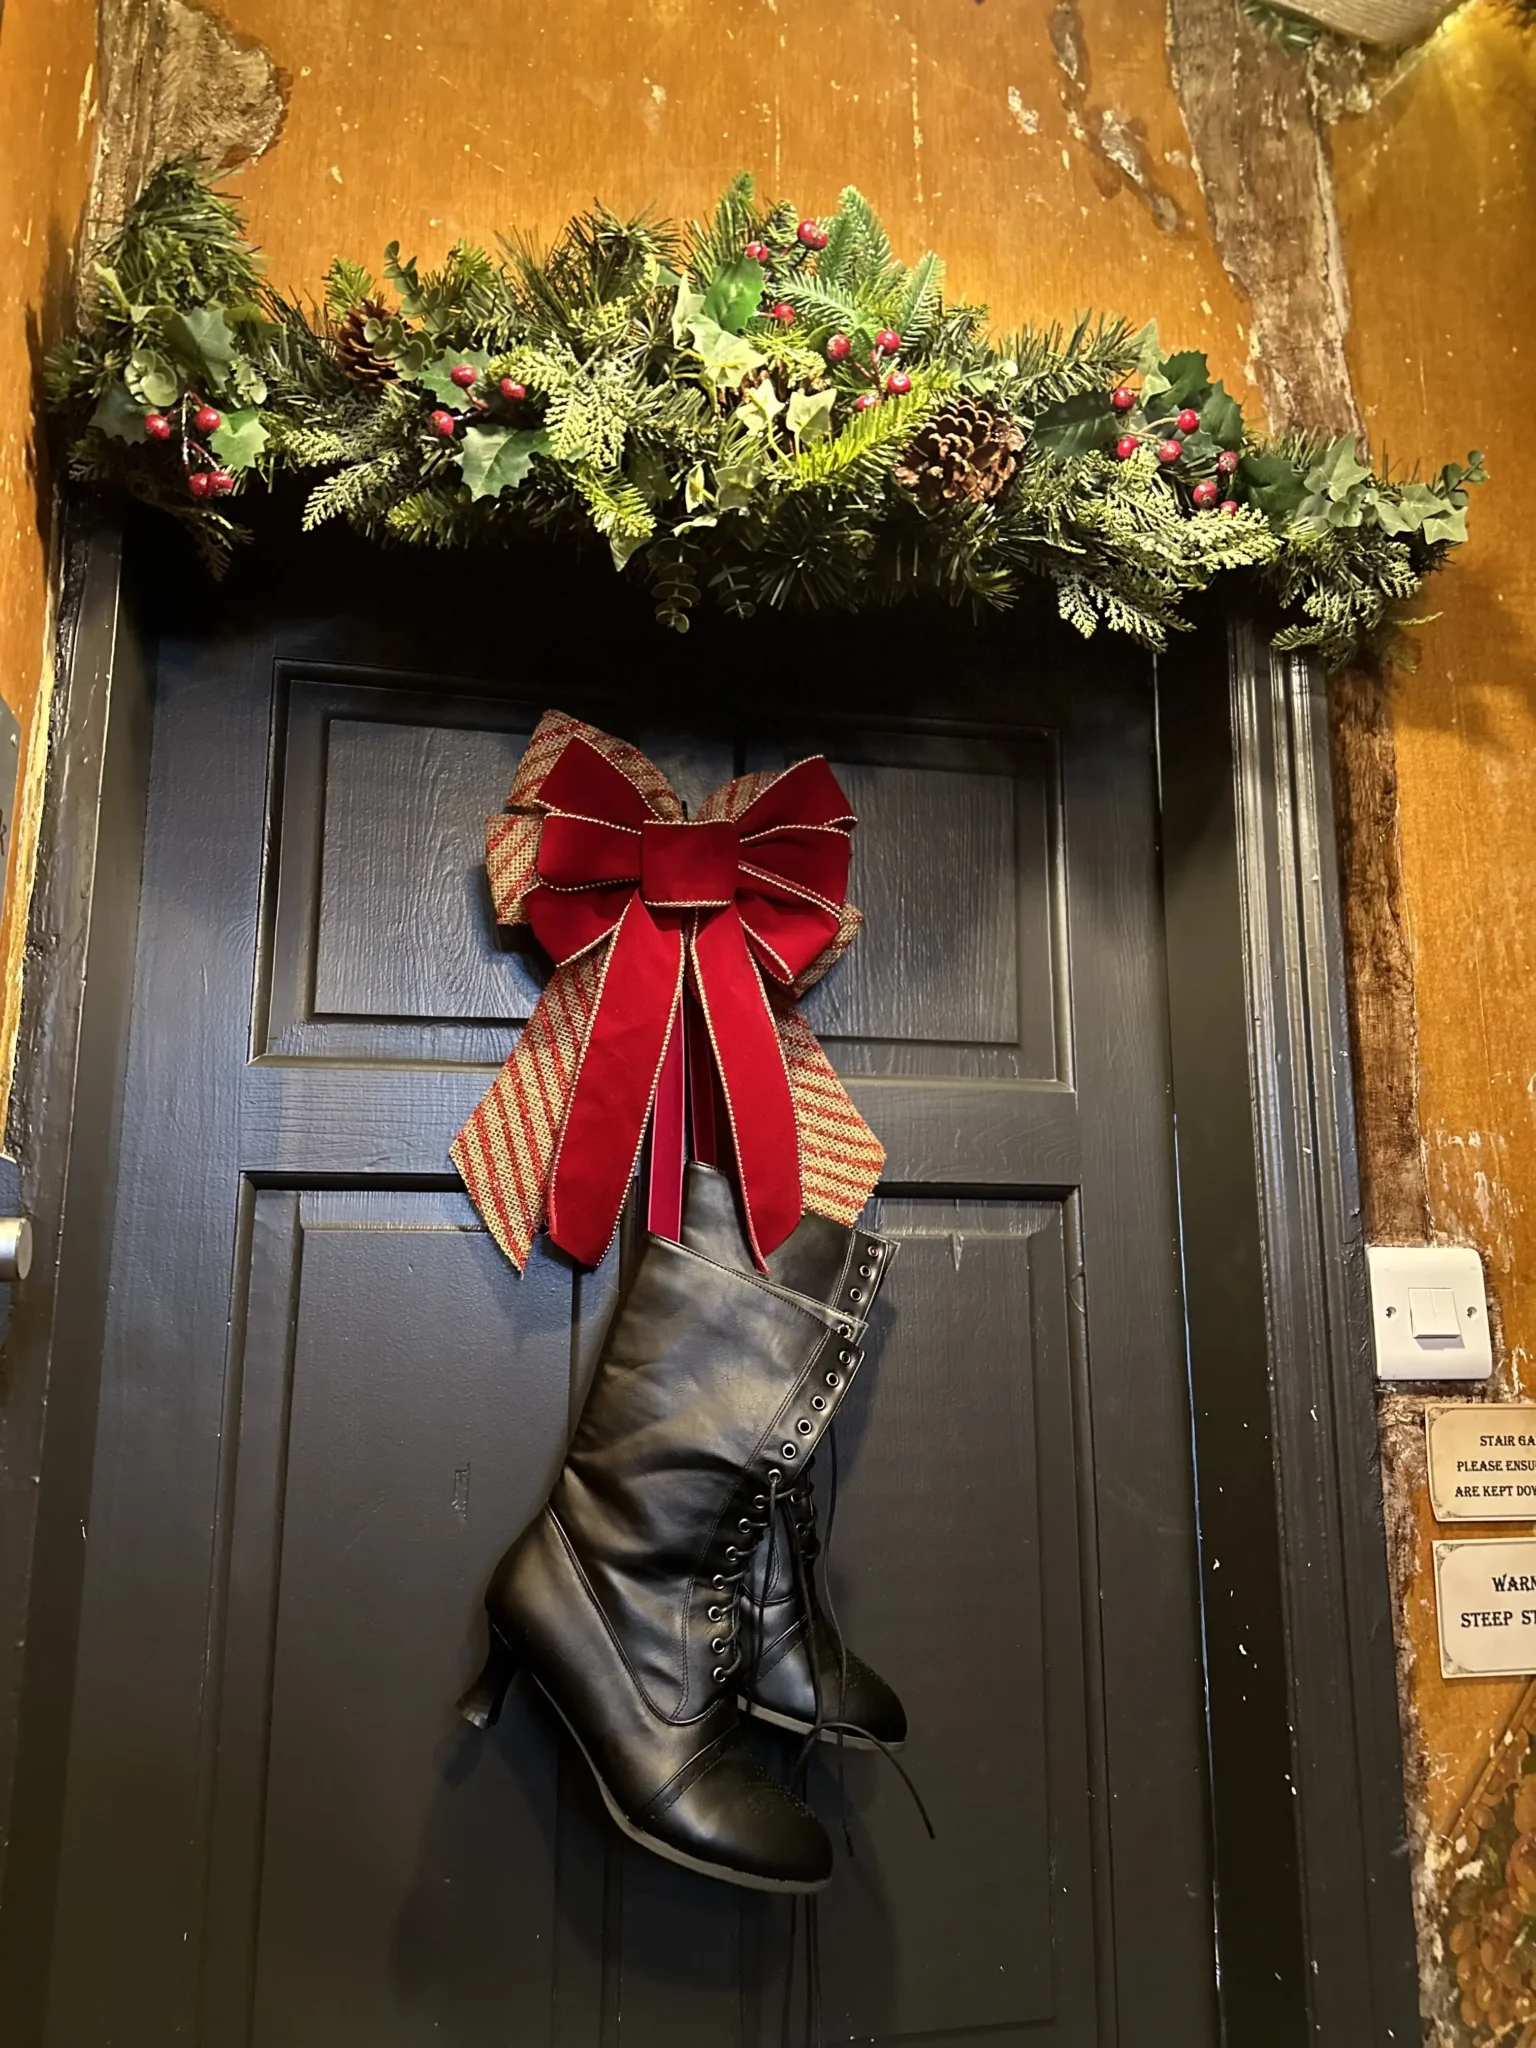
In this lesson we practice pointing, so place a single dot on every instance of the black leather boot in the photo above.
(623, 1596)
(844, 1268)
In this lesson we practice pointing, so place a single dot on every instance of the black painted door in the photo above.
(328, 1403)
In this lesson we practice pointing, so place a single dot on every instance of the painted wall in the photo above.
(47, 117)
(1353, 236)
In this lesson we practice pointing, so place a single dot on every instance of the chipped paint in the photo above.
(1116, 141)
(1027, 118)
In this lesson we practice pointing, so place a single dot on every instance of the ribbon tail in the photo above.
(615, 1085)
(749, 1059)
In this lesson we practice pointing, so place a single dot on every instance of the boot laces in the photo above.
(729, 1583)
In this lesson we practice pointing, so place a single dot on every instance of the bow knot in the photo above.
(635, 904)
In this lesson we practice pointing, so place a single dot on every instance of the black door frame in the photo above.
(1314, 1920)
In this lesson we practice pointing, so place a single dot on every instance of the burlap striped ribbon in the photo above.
(509, 1150)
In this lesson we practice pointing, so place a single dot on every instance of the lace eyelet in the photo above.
(845, 1358)
(718, 1674)
(716, 1613)
(834, 1379)
(845, 1329)
(804, 1427)
(873, 1251)
(761, 1501)
(818, 1402)
(718, 1583)
(719, 1645)
(866, 1272)
(788, 1451)
(744, 1526)
(855, 1294)
(732, 1552)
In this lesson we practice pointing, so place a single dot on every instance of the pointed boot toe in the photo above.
(731, 1816)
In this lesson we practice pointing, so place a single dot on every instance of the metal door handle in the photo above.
(15, 1248)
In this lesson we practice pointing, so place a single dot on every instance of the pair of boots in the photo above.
(668, 1584)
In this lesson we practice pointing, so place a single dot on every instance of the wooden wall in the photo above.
(47, 119)
(1354, 237)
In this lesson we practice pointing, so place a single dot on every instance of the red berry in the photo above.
(442, 422)
(898, 383)
(783, 312)
(1226, 462)
(838, 347)
(1169, 451)
(757, 251)
(1122, 398)
(221, 482)
(1126, 447)
(1204, 493)
(812, 235)
(888, 341)
(1187, 420)
(463, 374)
(200, 482)
(865, 400)
(157, 426)
(207, 419)
(1227, 505)
(512, 392)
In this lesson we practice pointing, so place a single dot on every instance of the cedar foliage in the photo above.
(656, 386)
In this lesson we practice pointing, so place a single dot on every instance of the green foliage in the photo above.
(632, 381)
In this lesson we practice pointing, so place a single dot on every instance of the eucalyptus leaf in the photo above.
(734, 294)
(1075, 426)
(240, 440)
(624, 546)
(151, 378)
(495, 458)
(119, 414)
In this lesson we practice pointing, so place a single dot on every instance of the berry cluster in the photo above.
(883, 373)
(445, 424)
(1167, 436)
(210, 479)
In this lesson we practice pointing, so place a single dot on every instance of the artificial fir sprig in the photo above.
(760, 408)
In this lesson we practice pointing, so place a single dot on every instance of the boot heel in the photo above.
(481, 1705)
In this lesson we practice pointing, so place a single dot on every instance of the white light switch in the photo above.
(1430, 1313)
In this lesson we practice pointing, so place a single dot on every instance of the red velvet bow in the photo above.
(722, 902)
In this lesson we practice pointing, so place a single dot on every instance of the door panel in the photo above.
(329, 1403)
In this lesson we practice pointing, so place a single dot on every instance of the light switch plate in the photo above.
(1408, 1283)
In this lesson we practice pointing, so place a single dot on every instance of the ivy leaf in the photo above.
(495, 458)
(1339, 473)
(727, 358)
(1448, 524)
(760, 407)
(1189, 378)
(810, 415)
(1075, 425)
(435, 375)
(152, 379)
(119, 414)
(1273, 483)
(240, 440)
(1222, 418)
(736, 486)
(202, 340)
(685, 312)
(734, 293)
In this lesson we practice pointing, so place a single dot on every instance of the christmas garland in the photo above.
(767, 409)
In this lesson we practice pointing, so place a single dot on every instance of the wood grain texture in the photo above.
(47, 115)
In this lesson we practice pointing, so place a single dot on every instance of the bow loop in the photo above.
(629, 898)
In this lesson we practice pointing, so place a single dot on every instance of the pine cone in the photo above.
(967, 449)
(353, 350)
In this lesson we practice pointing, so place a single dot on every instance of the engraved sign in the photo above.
(1485, 1596)
(1482, 1462)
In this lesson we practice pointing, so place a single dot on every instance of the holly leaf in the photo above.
(1147, 351)
(151, 378)
(1272, 481)
(809, 417)
(733, 294)
(1200, 447)
(202, 341)
(239, 442)
(494, 459)
(1222, 418)
(436, 375)
(1189, 378)
(727, 358)
(1075, 426)
(119, 414)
